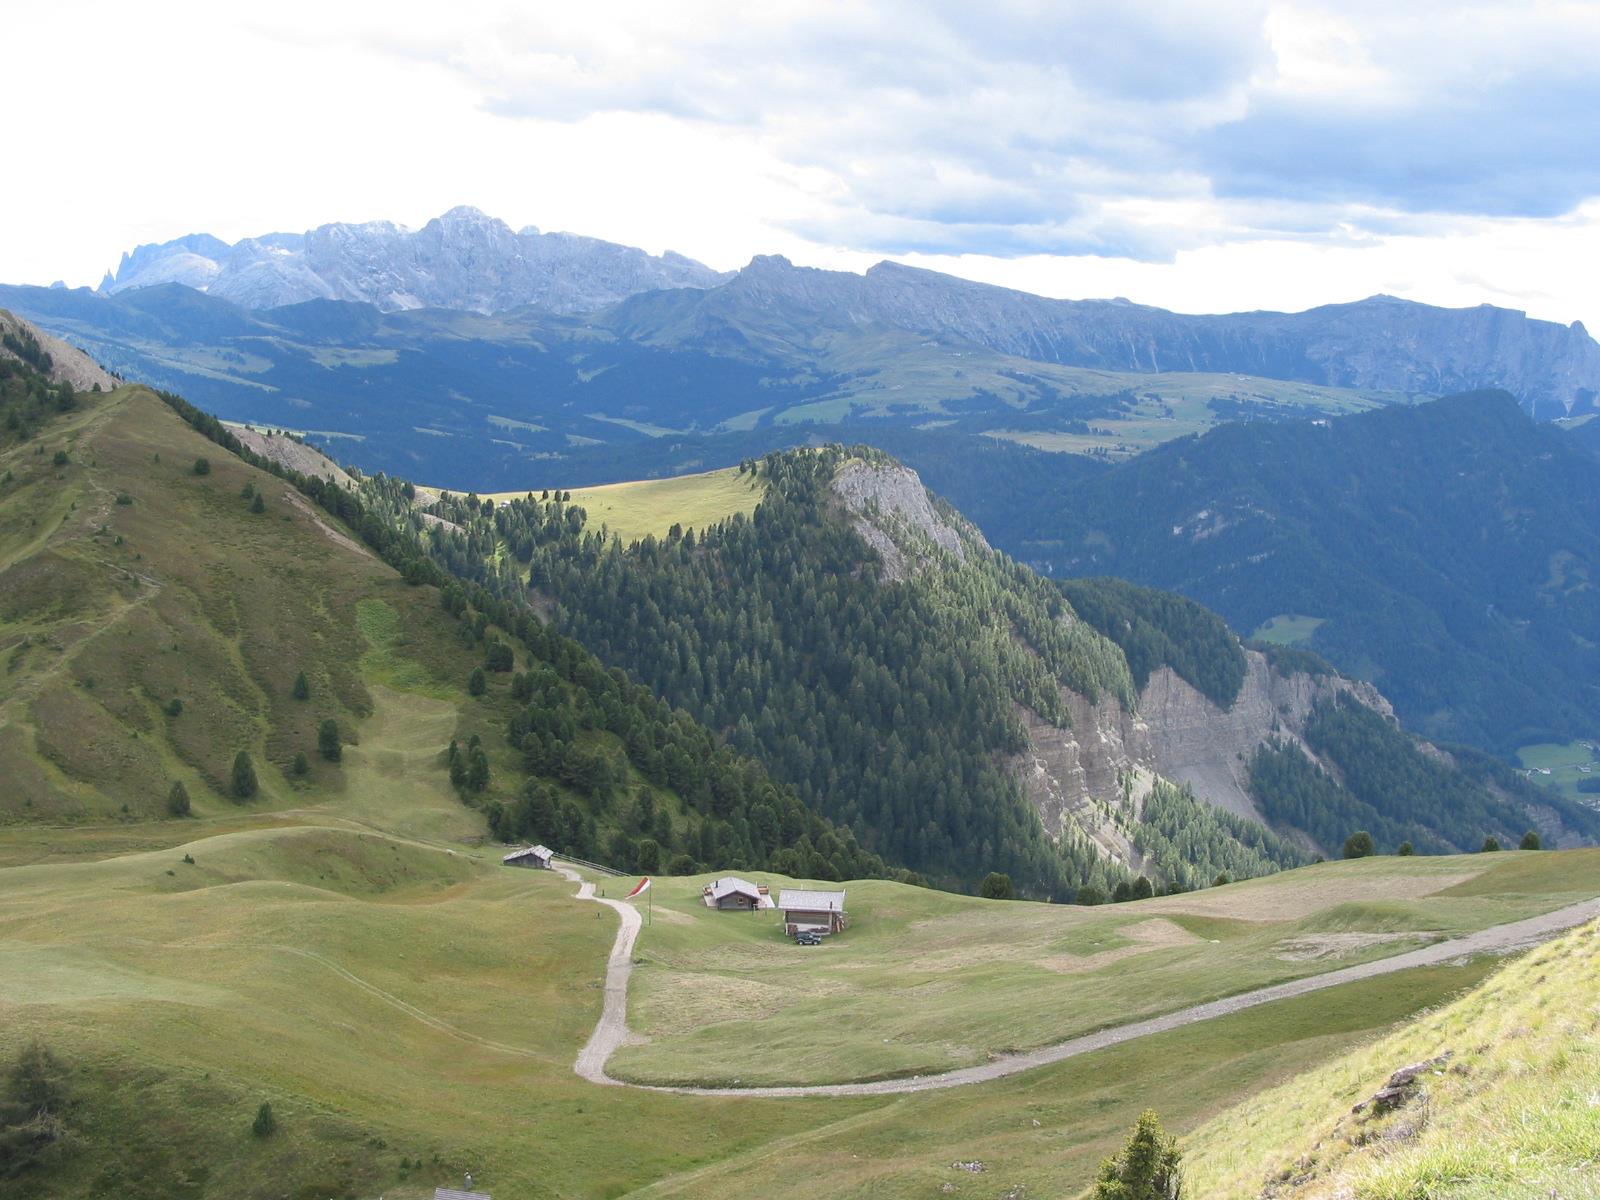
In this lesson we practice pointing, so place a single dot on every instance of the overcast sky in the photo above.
(1202, 157)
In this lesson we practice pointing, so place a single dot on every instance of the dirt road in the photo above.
(612, 1030)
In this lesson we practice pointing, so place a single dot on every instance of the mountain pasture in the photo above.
(925, 981)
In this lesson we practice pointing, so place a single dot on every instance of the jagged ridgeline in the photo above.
(872, 650)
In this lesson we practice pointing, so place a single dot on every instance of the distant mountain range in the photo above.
(462, 260)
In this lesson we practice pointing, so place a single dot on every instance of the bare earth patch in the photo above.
(1154, 934)
(1320, 946)
(1283, 904)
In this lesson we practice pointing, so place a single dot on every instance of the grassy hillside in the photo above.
(925, 981)
(653, 506)
(1511, 1115)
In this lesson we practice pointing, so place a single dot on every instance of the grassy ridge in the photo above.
(925, 981)
(652, 506)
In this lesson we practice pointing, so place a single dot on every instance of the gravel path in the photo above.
(612, 1030)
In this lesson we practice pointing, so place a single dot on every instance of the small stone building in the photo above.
(539, 857)
(818, 912)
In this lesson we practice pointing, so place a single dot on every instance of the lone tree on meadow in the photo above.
(265, 1124)
(1147, 1168)
(244, 776)
(1359, 845)
(996, 886)
(328, 743)
(178, 799)
(1530, 841)
(302, 687)
(258, 505)
(301, 764)
(1490, 844)
(202, 466)
(1406, 850)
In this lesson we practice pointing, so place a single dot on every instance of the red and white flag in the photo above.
(644, 886)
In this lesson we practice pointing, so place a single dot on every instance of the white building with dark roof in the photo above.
(814, 911)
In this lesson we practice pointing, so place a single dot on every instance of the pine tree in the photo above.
(1147, 1168)
(258, 505)
(302, 764)
(265, 1124)
(244, 776)
(328, 743)
(302, 687)
(178, 799)
(477, 683)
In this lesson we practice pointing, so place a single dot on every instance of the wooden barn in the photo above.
(732, 894)
(820, 912)
(539, 857)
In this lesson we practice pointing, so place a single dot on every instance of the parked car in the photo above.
(808, 939)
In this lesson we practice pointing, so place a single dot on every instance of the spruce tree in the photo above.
(1147, 1168)
(244, 776)
(265, 1124)
(258, 505)
(477, 683)
(328, 743)
(1530, 841)
(302, 764)
(996, 886)
(1406, 850)
(1359, 845)
(178, 799)
(302, 687)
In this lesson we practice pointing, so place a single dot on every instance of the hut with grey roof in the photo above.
(811, 911)
(730, 893)
(539, 857)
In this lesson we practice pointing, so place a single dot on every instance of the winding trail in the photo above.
(612, 1029)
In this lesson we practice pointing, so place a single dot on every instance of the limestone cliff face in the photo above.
(1195, 741)
(891, 510)
(1077, 777)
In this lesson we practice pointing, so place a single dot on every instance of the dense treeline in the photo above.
(1191, 844)
(889, 706)
(1390, 786)
(1157, 629)
(608, 763)
(27, 397)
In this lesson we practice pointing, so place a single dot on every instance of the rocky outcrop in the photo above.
(1195, 741)
(462, 260)
(891, 510)
(291, 454)
(68, 364)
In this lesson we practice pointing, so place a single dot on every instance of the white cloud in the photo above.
(1200, 156)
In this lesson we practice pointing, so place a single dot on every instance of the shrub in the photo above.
(265, 1124)
(477, 682)
(1490, 844)
(996, 886)
(60, 458)
(1406, 850)
(302, 764)
(1530, 841)
(124, 499)
(258, 505)
(302, 687)
(1359, 845)
(174, 707)
(202, 466)
(32, 1100)
(681, 864)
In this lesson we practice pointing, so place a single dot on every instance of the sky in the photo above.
(1203, 157)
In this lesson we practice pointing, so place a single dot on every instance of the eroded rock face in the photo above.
(887, 502)
(1196, 742)
(68, 364)
(296, 456)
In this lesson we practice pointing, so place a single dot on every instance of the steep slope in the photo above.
(1491, 1096)
(941, 700)
(171, 611)
(461, 260)
(1446, 552)
(56, 361)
